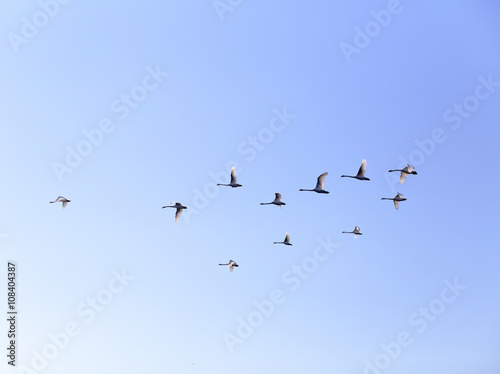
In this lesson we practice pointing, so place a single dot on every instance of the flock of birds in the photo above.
(320, 184)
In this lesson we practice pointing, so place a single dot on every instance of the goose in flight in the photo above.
(286, 241)
(277, 201)
(178, 207)
(233, 180)
(399, 197)
(355, 232)
(62, 200)
(407, 170)
(361, 173)
(320, 184)
(231, 264)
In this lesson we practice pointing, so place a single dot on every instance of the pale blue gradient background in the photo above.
(226, 77)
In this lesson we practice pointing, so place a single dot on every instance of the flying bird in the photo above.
(62, 200)
(361, 173)
(233, 180)
(178, 207)
(231, 264)
(277, 201)
(286, 241)
(355, 232)
(320, 184)
(407, 170)
(399, 197)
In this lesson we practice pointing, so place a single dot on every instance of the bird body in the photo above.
(399, 197)
(407, 170)
(361, 173)
(277, 201)
(356, 232)
(178, 211)
(62, 200)
(231, 264)
(286, 241)
(320, 184)
(233, 182)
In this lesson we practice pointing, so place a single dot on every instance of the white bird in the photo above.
(355, 232)
(233, 180)
(286, 241)
(320, 184)
(277, 201)
(361, 173)
(399, 197)
(231, 264)
(62, 200)
(407, 170)
(178, 207)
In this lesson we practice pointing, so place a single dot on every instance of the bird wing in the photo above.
(321, 180)
(362, 168)
(178, 213)
(396, 204)
(233, 175)
(399, 195)
(287, 238)
(64, 204)
(356, 229)
(278, 196)
(409, 168)
(402, 177)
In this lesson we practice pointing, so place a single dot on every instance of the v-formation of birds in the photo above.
(320, 184)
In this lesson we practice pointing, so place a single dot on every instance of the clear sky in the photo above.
(124, 107)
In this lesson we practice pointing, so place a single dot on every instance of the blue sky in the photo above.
(268, 88)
